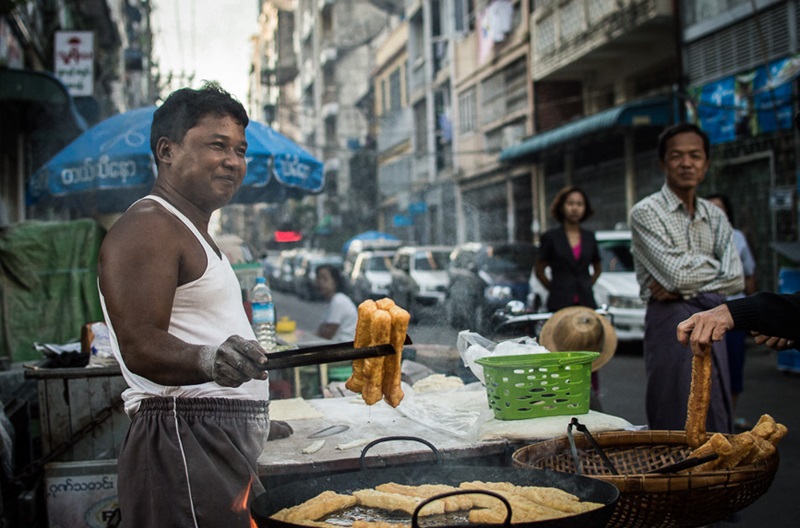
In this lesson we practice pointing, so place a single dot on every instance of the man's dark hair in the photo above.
(726, 203)
(336, 275)
(185, 107)
(557, 206)
(680, 128)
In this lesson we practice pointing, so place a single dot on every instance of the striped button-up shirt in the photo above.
(685, 254)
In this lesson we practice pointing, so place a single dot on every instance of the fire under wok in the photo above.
(295, 493)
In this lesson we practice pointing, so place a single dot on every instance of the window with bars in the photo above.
(571, 19)
(752, 42)
(546, 35)
(467, 112)
(504, 92)
(395, 92)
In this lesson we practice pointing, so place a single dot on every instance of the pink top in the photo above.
(576, 252)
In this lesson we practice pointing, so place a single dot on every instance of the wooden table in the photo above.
(283, 460)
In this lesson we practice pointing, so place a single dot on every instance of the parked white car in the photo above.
(371, 275)
(616, 288)
(419, 277)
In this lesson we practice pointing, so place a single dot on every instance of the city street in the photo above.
(767, 390)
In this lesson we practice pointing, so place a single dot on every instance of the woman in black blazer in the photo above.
(568, 250)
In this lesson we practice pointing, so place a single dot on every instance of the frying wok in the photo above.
(294, 493)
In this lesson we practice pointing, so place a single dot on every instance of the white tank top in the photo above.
(204, 312)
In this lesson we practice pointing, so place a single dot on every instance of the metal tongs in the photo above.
(316, 355)
(574, 450)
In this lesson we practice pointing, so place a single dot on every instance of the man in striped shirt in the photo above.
(685, 262)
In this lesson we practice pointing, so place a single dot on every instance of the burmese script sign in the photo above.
(74, 61)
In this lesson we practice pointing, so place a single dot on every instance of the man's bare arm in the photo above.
(140, 265)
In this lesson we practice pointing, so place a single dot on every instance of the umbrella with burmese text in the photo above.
(110, 166)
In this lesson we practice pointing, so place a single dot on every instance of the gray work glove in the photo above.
(234, 362)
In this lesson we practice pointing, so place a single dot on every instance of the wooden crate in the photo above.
(70, 399)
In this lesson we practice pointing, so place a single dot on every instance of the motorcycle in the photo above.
(516, 320)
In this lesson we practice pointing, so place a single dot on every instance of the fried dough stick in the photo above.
(425, 491)
(381, 331)
(699, 399)
(392, 364)
(363, 338)
(716, 444)
(761, 449)
(523, 509)
(316, 508)
(741, 445)
(394, 502)
(549, 497)
(385, 304)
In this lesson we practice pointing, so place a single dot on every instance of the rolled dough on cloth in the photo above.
(549, 426)
(292, 409)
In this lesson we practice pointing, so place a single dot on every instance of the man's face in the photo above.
(685, 162)
(208, 166)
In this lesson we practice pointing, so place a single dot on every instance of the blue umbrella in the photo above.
(371, 236)
(110, 166)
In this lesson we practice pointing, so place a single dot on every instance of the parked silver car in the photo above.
(419, 277)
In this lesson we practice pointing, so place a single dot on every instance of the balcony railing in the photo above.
(564, 32)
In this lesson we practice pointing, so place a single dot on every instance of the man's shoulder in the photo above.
(647, 204)
(145, 220)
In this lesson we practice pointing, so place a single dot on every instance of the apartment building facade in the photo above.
(39, 113)
(603, 75)
(741, 60)
(494, 99)
(335, 54)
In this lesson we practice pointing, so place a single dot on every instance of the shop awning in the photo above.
(43, 88)
(646, 112)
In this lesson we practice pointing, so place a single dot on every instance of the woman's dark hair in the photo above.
(336, 275)
(681, 128)
(726, 202)
(557, 207)
(185, 107)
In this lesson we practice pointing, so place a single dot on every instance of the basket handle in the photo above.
(574, 450)
(573, 360)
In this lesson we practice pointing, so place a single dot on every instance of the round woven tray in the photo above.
(656, 500)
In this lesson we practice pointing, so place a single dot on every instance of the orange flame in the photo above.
(240, 503)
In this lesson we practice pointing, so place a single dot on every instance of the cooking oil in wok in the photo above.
(347, 516)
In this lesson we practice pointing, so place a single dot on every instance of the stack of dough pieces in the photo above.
(379, 322)
(742, 449)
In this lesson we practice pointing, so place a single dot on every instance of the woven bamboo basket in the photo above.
(655, 500)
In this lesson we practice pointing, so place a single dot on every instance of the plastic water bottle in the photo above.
(263, 314)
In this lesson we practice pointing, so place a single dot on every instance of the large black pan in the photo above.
(294, 493)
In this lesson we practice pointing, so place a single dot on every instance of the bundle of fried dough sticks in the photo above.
(742, 449)
(528, 504)
(379, 322)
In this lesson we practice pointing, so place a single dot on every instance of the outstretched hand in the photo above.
(234, 362)
(703, 328)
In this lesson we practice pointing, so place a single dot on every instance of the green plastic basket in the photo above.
(537, 385)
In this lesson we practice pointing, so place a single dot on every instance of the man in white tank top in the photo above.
(198, 391)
